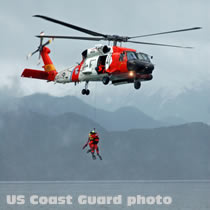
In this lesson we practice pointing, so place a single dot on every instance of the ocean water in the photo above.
(183, 195)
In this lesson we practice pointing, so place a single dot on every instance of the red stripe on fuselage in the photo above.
(76, 72)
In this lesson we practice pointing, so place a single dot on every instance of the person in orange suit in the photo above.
(93, 141)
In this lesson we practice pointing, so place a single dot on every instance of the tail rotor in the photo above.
(40, 47)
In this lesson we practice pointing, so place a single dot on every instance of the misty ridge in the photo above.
(42, 138)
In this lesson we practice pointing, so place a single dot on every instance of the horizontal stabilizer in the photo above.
(36, 74)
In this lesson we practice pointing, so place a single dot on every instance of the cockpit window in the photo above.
(131, 55)
(142, 56)
(137, 56)
(122, 55)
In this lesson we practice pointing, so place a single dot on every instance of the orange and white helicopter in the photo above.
(115, 64)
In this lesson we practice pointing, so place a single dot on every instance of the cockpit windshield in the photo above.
(142, 56)
(137, 56)
(131, 55)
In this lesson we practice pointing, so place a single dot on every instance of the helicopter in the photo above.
(109, 64)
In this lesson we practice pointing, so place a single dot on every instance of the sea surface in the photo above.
(185, 194)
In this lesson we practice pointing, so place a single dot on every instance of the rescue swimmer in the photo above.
(93, 141)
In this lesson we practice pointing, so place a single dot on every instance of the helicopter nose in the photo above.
(150, 67)
(140, 66)
(135, 65)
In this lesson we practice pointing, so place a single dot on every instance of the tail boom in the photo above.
(48, 64)
(49, 72)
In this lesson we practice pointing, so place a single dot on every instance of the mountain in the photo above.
(32, 144)
(122, 119)
(176, 107)
(190, 105)
(36, 146)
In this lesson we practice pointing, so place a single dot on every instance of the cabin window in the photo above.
(122, 55)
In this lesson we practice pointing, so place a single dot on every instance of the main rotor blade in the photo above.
(164, 45)
(73, 37)
(167, 32)
(93, 33)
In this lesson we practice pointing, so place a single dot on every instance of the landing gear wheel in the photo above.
(87, 92)
(105, 80)
(83, 92)
(137, 84)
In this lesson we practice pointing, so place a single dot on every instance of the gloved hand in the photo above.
(84, 146)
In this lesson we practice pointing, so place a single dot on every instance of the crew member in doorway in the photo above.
(93, 140)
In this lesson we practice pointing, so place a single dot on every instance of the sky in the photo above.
(175, 69)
